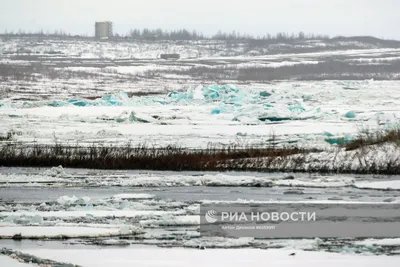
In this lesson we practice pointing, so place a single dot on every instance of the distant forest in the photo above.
(183, 34)
(176, 35)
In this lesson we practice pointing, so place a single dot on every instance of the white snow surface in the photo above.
(318, 110)
(93, 213)
(51, 232)
(66, 200)
(6, 261)
(171, 180)
(134, 196)
(172, 221)
(380, 242)
(380, 185)
(178, 257)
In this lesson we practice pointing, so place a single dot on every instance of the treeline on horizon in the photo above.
(183, 34)
(175, 35)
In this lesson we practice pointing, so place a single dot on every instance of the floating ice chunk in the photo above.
(66, 200)
(265, 94)
(80, 103)
(10, 219)
(222, 108)
(379, 242)
(75, 102)
(189, 93)
(244, 119)
(123, 117)
(339, 140)
(297, 108)
(317, 182)
(111, 97)
(306, 97)
(22, 219)
(350, 115)
(37, 219)
(123, 95)
(133, 117)
(55, 172)
(197, 93)
(124, 205)
(89, 206)
(379, 185)
(114, 242)
(56, 103)
(215, 111)
(349, 86)
(116, 100)
(219, 242)
(328, 134)
(211, 94)
(274, 118)
(141, 118)
(169, 220)
(134, 196)
(390, 199)
(107, 100)
(125, 230)
(177, 96)
(28, 104)
(83, 201)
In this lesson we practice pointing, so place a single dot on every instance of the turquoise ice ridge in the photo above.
(264, 106)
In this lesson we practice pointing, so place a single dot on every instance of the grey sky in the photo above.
(334, 17)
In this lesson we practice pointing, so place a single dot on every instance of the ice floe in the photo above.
(380, 242)
(55, 172)
(57, 232)
(11, 262)
(209, 257)
(92, 213)
(133, 196)
(181, 179)
(379, 185)
(296, 112)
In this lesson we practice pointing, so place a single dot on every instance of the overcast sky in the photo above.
(380, 18)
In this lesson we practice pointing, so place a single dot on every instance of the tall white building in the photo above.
(103, 29)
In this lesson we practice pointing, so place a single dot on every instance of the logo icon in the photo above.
(211, 216)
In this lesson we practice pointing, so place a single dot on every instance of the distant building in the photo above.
(103, 29)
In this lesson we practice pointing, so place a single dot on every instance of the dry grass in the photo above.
(368, 159)
(370, 153)
(139, 157)
(367, 138)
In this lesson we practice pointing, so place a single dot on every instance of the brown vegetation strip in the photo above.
(367, 138)
(140, 157)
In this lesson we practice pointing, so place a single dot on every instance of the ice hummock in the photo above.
(263, 105)
(66, 200)
(55, 172)
(297, 112)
